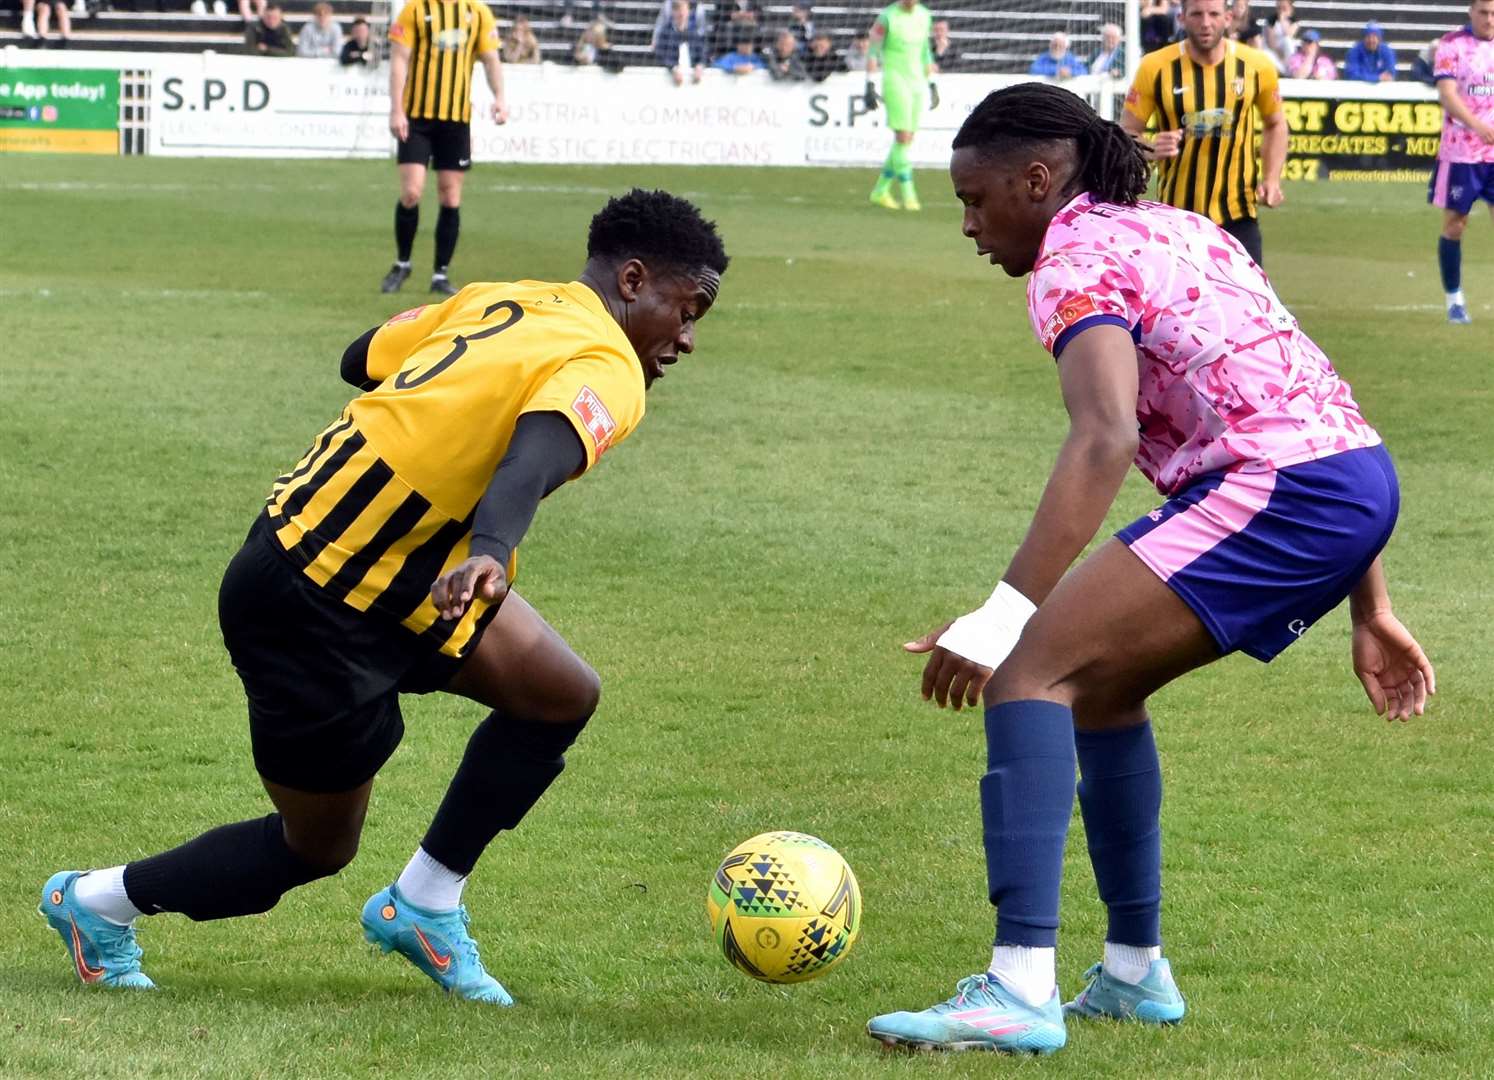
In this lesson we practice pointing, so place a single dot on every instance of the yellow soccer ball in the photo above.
(784, 907)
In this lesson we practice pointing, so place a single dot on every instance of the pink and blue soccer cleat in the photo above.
(435, 942)
(982, 1015)
(1154, 1000)
(104, 953)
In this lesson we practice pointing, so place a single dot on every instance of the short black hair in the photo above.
(665, 232)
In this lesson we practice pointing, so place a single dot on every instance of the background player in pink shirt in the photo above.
(1174, 353)
(1464, 70)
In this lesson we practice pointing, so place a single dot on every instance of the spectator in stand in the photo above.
(1159, 24)
(522, 47)
(858, 51)
(1111, 59)
(355, 50)
(1370, 59)
(1423, 68)
(782, 58)
(249, 10)
(1239, 19)
(801, 22)
(735, 19)
(1253, 36)
(680, 44)
(743, 58)
(821, 61)
(568, 15)
(1282, 31)
(270, 36)
(34, 20)
(1057, 62)
(321, 37)
(593, 47)
(1309, 61)
(946, 56)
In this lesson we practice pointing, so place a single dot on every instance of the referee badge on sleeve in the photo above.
(595, 418)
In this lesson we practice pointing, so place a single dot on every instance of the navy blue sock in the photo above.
(1450, 262)
(1120, 797)
(1026, 800)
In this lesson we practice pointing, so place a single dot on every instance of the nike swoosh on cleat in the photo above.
(441, 963)
(86, 973)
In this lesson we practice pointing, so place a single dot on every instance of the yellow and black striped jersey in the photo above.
(1216, 170)
(445, 38)
(381, 504)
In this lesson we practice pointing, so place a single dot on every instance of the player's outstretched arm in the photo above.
(1390, 664)
(493, 68)
(1097, 372)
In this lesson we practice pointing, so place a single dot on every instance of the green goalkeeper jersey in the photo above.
(905, 40)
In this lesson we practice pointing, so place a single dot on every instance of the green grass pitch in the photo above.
(849, 457)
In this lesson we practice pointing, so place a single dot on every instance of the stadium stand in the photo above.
(989, 36)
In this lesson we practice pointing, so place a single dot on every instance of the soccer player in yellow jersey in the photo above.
(382, 564)
(1205, 92)
(433, 47)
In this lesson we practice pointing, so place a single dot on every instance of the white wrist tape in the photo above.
(990, 632)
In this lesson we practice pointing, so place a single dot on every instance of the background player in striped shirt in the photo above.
(1204, 92)
(434, 46)
(1464, 69)
(382, 565)
(1172, 353)
(900, 49)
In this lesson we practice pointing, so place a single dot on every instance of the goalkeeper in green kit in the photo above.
(900, 47)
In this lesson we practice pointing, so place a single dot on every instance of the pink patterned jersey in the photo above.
(1227, 378)
(1469, 61)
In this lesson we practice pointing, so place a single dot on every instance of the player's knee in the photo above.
(327, 855)
(1452, 228)
(409, 197)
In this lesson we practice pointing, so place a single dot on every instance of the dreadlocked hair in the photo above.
(665, 232)
(1021, 118)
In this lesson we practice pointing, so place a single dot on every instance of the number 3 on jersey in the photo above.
(407, 380)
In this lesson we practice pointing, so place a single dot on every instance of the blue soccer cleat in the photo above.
(437, 943)
(1458, 315)
(104, 953)
(982, 1015)
(1154, 1000)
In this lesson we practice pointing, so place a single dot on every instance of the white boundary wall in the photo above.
(211, 105)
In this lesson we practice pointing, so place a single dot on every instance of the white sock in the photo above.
(427, 884)
(1130, 963)
(1455, 298)
(1026, 971)
(103, 893)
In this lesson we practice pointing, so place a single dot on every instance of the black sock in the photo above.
(506, 768)
(406, 222)
(448, 224)
(239, 869)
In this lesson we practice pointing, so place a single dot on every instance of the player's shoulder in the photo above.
(1159, 58)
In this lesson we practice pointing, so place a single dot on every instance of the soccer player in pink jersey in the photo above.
(1174, 353)
(1464, 69)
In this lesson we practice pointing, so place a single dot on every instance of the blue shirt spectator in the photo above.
(741, 59)
(1057, 62)
(1370, 59)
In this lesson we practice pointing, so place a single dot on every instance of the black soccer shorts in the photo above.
(323, 679)
(446, 142)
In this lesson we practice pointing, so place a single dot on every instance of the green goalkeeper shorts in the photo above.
(904, 97)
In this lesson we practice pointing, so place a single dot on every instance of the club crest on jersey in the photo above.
(406, 316)
(1069, 313)
(595, 417)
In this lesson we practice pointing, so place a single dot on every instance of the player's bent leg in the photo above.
(104, 952)
(542, 695)
(1109, 634)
